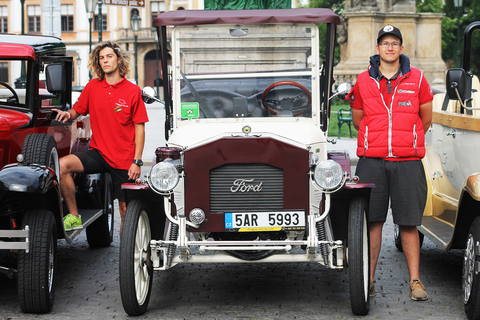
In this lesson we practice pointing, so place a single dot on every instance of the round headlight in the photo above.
(163, 177)
(328, 174)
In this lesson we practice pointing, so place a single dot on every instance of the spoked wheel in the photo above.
(358, 254)
(100, 232)
(470, 278)
(135, 262)
(37, 267)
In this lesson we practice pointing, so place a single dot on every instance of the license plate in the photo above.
(264, 221)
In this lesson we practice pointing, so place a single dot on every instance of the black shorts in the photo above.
(93, 162)
(401, 183)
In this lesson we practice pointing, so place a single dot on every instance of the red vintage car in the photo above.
(37, 77)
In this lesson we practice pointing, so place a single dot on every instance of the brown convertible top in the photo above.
(196, 17)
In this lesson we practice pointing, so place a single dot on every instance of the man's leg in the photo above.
(411, 248)
(375, 246)
(69, 164)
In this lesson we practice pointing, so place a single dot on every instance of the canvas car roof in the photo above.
(198, 17)
(28, 47)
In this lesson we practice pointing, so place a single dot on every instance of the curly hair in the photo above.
(94, 60)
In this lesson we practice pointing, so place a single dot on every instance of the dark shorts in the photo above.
(93, 162)
(402, 184)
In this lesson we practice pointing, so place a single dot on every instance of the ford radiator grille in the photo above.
(246, 188)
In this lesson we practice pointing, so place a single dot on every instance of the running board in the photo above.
(88, 217)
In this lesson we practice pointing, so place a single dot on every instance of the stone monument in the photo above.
(361, 21)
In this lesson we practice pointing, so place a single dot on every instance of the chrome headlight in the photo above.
(163, 177)
(328, 174)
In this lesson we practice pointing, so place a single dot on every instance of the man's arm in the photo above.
(357, 116)
(425, 114)
(134, 171)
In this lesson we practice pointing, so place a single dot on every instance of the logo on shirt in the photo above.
(405, 91)
(405, 103)
(120, 105)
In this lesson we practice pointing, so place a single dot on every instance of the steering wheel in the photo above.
(295, 104)
(6, 85)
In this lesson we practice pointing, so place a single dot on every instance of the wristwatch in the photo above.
(138, 162)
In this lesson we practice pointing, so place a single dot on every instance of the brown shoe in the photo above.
(417, 290)
(371, 288)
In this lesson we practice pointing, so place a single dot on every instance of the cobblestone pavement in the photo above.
(88, 288)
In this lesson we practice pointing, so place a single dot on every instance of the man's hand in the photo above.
(62, 116)
(134, 172)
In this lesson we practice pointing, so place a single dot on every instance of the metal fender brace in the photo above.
(177, 232)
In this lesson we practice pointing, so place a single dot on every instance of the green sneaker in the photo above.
(71, 222)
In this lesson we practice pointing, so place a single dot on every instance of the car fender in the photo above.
(27, 178)
(472, 186)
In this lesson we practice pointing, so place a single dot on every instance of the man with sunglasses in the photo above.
(392, 109)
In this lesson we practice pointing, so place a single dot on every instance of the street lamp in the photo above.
(100, 21)
(157, 79)
(135, 25)
(458, 5)
(22, 81)
(90, 8)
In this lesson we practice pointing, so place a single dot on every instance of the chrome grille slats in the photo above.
(269, 198)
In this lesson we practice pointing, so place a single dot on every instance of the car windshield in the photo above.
(231, 71)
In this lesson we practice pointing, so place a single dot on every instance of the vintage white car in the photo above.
(246, 176)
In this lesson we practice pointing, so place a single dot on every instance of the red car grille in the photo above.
(246, 188)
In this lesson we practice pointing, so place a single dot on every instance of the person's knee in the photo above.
(70, 164)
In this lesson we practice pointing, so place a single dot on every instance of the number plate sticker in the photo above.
(264, 221)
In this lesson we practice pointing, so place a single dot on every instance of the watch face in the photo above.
(138, 162)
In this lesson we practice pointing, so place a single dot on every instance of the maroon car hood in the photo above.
(10, 119)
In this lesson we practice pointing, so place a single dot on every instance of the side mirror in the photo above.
(456, 79)
(342, 90)
(148, 95)
(55, 76)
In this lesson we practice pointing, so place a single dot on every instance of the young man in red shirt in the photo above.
(392, 109)
(117, 117)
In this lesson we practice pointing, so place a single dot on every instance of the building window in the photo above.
(157, 7)
(4, 72)
(67, 17)
(3, 19)
(104, 22)
(34, 14)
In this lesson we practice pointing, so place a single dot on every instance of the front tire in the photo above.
(358, 255)
(135, 264)
(470, 278)
(37, 267)
(100, 232)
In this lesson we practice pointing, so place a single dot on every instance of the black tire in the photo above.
(398, 238)
(40, 148)
(470, 278)
(37, 267)
(358, 252)
(136, 270)
(100, 232)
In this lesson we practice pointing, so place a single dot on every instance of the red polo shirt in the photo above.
(114, 110)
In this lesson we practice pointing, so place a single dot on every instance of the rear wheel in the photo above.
(470, 277)
(358, 255)
(398, 238)
(100, 232)
(37, 267)
(135, 263)
(41, 149)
